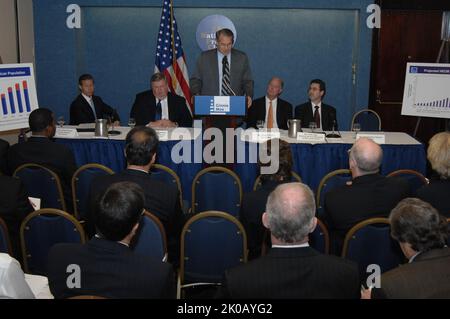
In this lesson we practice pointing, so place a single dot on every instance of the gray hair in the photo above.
(291, 217)
(368, 162)
(158, 76)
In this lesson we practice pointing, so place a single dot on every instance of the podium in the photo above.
(220, 105)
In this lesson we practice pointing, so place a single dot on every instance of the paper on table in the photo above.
(35, 202)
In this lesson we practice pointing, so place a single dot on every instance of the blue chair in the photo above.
(5, 242)
(368, 119)
(319, 239)
(216, 188)
(164, 174)
(295, 178)
(151, 238)
(81, 182)
(370, 242)
(211, 242)
(414, 178)
(41, 230)
(43, 183)
(330, 181)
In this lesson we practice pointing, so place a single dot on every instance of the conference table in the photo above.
(182, 150)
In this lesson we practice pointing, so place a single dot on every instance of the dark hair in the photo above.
(322, 85)
(141, 144)
(225, 32)
(40, 119)
(284, 162)
(85, 77)
(118, 210)
(158, 76)
(419, 224)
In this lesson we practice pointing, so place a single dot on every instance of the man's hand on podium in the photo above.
(249, 101)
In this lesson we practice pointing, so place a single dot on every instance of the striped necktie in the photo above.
(226, 86)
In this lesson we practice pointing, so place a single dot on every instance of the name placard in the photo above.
(376, 137)
(163, 135)
(66, 132)
(263, 136)
(311, 137)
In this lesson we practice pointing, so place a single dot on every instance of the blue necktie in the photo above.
(91, 103)
(158, 114)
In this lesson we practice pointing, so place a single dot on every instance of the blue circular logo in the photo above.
(206, 30)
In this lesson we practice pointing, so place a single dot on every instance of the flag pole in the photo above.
(174, 53)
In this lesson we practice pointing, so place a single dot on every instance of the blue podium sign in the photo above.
(220, 105)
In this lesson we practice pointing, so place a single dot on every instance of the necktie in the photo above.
(225, 90)
(270, 116)
(317, 116)
(91, 103)
(158, 114)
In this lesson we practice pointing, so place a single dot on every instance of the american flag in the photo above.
(172, 65)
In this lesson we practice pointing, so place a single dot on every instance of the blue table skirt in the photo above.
(311, 162)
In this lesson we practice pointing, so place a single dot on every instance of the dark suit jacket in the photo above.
(144, 109)
(109, 269)
(252, 208)
(369, 196)
(81, 112)
(293, 273)
(205, 79)
(44, 151)
(257, 112)
(437, 194)
(14, 207)
(161, 199)
(4, 146)
(427, 276)
(305, 114)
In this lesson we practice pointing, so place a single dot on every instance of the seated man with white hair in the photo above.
(369, 194)
(292, 269)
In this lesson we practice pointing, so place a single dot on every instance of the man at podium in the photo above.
(223, 71)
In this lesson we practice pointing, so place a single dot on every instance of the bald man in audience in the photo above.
(368, 195)
(292, 269)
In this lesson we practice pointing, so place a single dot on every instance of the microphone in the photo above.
(333, 134)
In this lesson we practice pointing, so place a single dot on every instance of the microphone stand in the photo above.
(333, 134)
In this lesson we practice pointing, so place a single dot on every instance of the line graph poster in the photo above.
(427, 90)
(17, 95)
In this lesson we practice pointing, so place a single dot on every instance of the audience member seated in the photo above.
(292, 269)
(14, 207)
(422, 235)
(437, 193)
(106, 266)
(369, 195)
(254, 203)
(161, 199)
(12, 280)
(40, 149)
(4, 145)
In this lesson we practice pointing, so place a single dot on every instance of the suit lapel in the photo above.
(88, 108)
(215, 69)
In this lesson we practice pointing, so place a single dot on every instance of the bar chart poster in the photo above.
(427, 90)
(17, 95)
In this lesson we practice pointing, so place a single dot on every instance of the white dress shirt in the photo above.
(219, 63)
(12, 279)
(91, 103)
(274, 109)
(164, 108)
(320, 113)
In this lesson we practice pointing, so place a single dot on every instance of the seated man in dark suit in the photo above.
(322, 114)
(422, 234)
(87, 107)
(160, 108)
(254, 203)
(4, 146)
(161, 199)
(14, 207)
(274, 111)
(292, 269)
(369, 194)
(106, 266)
(40, 149)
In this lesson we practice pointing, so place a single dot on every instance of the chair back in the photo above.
(151, 238)
(167, 175)
(81, 183)
(41, 230)
(43, 183)
(319, 239)
(211, 242)
(295, 178)
(330, 181)
(415, 179)
(370, 242)
(368, 119)
(5, 242)
(216, 188)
